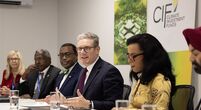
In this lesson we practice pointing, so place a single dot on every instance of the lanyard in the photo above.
(13, 85)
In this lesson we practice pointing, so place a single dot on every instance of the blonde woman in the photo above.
(13, 72)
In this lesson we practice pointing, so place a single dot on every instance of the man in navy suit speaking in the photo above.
(100, 83)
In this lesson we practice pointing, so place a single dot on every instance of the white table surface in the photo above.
(24, 103)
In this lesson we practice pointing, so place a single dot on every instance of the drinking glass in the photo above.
(54, 101)
(14, 99)
(121, 104)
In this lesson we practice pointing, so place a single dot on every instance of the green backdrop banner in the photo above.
(165, 19)
(130, 19)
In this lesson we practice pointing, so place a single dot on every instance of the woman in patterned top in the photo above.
(152, 70)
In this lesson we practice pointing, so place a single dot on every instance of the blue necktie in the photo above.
(39, 84)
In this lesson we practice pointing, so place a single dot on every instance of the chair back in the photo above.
(183, 97)
(198, 106)
(126, 92)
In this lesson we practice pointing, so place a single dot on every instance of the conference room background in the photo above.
(48, 24)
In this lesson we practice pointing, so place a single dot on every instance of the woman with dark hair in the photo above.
(152, 69)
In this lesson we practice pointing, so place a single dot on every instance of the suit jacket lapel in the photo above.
(71, 74)
(66, 80)
(59, 79)
(46, 79)
(33, 80)
(93, 74)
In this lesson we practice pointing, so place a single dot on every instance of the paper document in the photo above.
(32, 103)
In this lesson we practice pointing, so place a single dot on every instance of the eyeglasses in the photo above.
(133, 56)
(85, 49)
(66, 54)
(13, 59)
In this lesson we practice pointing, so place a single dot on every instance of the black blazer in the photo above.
(104, 85)
(69, 84)
(48, 83)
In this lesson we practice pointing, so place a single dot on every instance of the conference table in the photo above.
(29, 104)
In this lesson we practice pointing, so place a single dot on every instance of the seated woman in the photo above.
(13, 72)
(152, 70)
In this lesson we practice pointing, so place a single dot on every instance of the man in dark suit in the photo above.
(40, 77)
(193, 38)
(67, 79)
(100, 83)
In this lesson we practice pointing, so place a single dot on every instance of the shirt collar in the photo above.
(45, 71)
(69, 69)
(89, 68)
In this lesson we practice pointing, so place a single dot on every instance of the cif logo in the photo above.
(160, 12)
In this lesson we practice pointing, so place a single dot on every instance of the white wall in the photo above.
(78, 16)
(27, 29)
